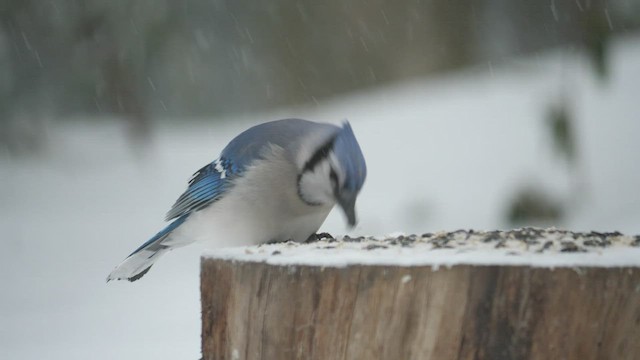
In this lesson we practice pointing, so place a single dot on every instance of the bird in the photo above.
(274, 182)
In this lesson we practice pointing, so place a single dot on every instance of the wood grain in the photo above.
(253, 310)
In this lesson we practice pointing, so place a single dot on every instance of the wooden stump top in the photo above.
(523, 247)
(522, 294)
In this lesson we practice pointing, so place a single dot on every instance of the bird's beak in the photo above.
(347, 201)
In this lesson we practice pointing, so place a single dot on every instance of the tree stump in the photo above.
(522, 294)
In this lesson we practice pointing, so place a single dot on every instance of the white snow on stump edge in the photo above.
(534, 247)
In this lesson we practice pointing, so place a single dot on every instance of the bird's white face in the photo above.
(332, 173)
(318, 186)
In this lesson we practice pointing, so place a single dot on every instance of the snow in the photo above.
(458, 145)
(351, 255)
(543, 248)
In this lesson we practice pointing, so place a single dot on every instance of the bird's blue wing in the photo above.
(211, 182)
(206, 186)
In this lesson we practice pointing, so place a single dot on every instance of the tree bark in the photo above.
(253, 310)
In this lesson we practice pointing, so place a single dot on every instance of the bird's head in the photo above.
(334, 173)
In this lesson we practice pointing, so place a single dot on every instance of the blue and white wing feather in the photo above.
(206, 186)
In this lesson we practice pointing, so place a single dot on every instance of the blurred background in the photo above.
(477, 114)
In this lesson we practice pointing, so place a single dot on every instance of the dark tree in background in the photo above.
(142, 60)
(591, 28)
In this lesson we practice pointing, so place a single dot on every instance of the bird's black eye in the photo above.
(334, 180)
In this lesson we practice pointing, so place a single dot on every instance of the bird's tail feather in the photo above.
(140, 261)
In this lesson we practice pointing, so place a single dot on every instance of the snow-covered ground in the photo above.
(443, 153)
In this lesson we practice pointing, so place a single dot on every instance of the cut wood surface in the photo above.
(262, 303)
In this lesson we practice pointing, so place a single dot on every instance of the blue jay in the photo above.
(276, 181)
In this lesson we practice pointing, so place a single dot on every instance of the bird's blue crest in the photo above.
(347, 150)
